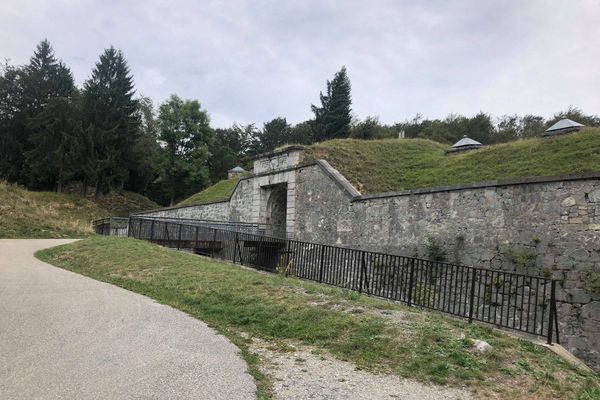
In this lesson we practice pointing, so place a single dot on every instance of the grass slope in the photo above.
(378, 166)
(121, 204)
(217, 192)
(413, 344)
(26, 214)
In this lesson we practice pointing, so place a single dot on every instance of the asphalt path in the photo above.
(65, 336)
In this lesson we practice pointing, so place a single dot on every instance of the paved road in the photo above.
(66, 336)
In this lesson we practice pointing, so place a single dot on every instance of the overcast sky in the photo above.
(251, 61)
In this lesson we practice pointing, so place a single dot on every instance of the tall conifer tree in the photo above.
(12, 122)
(112, 119)
(26, 91)
(57, 136)
(333, 117)
(52, 125)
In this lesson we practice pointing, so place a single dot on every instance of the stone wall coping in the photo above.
(276, 153)
(333, 173)
(338, 178)
(185, 206)
(483, 185)
(355, 195)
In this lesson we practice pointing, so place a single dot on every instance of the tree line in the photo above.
(106, 137)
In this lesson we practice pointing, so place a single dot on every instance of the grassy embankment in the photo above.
(390, 165)
(375, 335)
(26, 214)
(217, 192)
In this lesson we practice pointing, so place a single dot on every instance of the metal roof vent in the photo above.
(464, 144)
(565, 125)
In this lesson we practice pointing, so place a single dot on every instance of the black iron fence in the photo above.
(112, 226)
(246, 227)
(504, 299)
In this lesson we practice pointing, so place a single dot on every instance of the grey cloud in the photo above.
(250, 61)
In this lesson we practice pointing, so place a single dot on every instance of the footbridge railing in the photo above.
(244, 227)
(112, 226)
(504, 299)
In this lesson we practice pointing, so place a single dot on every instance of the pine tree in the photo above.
(26, 91)
(333, 118)
(56, 138)
(47, 78)
(12, 122)
(112, 119)
(52, 126)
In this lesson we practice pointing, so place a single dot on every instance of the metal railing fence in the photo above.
(112, 226)
(246, 227)
(504, 299)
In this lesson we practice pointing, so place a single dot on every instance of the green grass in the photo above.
(420, 345)
(121, 204)
(389, 165)
(217, 192)
(27, 214)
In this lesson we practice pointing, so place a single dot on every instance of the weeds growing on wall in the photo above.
(591, 280)
(434, 250)
(522, 258)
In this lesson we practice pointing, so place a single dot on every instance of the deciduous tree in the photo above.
(274, 134)
(184, 129)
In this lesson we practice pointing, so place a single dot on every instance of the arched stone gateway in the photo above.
(277, 210)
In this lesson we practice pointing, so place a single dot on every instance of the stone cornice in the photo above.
(355, 195)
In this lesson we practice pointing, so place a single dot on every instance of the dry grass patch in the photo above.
(27, 214)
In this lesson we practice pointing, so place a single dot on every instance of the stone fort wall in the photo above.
(543, 227)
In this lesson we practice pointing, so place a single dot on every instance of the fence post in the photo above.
(556, 322)
(287, 257)
(411, 281)
(552, 310)
(321, 266)
(129, 227)
(239, 248)
(235, 247)
(152, 231)
(214, 243)
(472, 297)
(179, 236)
(360, 282)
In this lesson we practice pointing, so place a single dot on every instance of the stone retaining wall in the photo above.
(541, 227)
(218, 211)
(547, 228)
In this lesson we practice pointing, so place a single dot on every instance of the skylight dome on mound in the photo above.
(466, 141)
(235, 171)
(563, 126)
(464, 144)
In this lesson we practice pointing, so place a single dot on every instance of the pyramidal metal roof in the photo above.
(237, 169)
(564, 123)
(465, 141)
